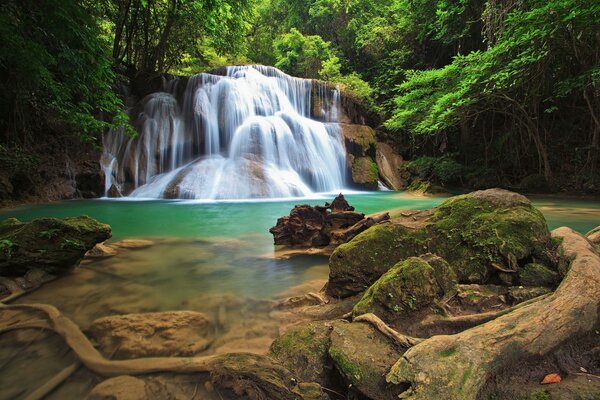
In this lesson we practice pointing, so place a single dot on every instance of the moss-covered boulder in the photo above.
(304, 351)
(50, 244)
(356, 265)
(480, 234)
(363, 356)
(365, 173)
(534, 274)
(409, 286)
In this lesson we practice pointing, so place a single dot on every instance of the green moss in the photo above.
(465, 378)
(304, 350)
(541, 395)
(448, 352)
(349, 369)
(365, 171)
(537, 275)
(410, 285)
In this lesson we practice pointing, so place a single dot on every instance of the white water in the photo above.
(247, 134)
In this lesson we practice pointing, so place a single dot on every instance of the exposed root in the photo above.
(48, 317)
(402, 340)
(53, 383)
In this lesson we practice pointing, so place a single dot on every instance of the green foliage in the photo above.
(72, 244)
(439, 169)
(56, 71)
(50, 233)
(7, 247)
(302, 55)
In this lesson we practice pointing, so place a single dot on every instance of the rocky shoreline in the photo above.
(456, 302)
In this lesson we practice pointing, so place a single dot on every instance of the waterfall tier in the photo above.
(244, 134)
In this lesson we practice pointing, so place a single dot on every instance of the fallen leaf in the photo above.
(551, 378)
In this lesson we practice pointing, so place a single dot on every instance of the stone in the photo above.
(365, 173)
(169, 333)
(480, 235)
(519, 294)
(304, 351)
(101, 250)
(389, 164)
(363, 357)
(534, 274)
(123, 387)
(50, 244)
(408, 287)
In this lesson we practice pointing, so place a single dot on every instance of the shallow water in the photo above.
(215, 258)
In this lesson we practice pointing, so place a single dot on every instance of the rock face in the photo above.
(50, 244)
(360, 142)
(481, 235)
(308, 226)
(389, 164)
(170, 333)
(409, 287)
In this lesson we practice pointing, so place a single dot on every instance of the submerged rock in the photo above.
(169, 333)
(480, 234)
(50, 244)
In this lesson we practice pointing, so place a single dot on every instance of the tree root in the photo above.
(457, 366)
(377, 323)
(24, 316)
(53, 383)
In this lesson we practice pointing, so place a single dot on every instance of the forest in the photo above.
(475, 93)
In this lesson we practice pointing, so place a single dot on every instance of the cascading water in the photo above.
(244, 134)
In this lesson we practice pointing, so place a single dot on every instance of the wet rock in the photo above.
(363, 357)
(101, 250)
(534, 274)
(304, 351)
(50, 244)
(410, 286)
(365, 173)
(119, 388)
(132, 244)
(389, 164)
(169, 333)
(480, 235)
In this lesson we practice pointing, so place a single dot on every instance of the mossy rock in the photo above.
(478, 234)
(304, 351)
(365, 172)
(408, 287)
(359, 140)
(50, 244)
(356, 265)
(363, 356)
(534, 274)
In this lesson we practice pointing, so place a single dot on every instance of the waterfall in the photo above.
(241, 132)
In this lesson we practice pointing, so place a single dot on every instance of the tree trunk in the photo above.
(456, 367)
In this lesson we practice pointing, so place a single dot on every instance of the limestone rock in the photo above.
(169, 333)
(365, 173)
(480, 234)
(50, 244)
(389, 164)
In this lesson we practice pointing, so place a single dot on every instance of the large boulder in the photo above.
(480, 234)
(410, 286)
(389, 164)
(169, 333)
(50, 244)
